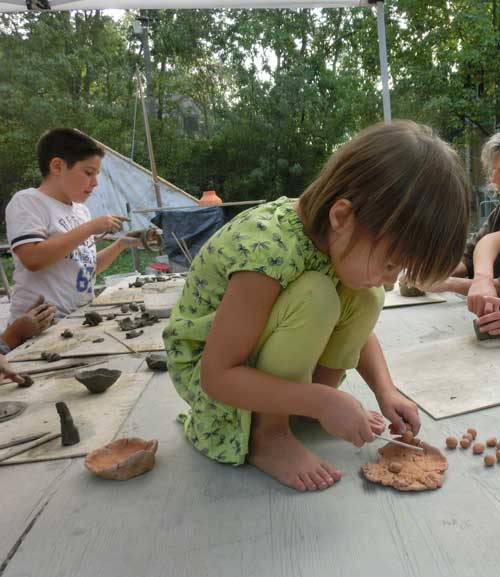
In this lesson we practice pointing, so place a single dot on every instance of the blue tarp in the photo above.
(194, 226)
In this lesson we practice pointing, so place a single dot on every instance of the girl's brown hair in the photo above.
(405, 184)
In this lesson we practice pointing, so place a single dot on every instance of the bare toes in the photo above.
(325, 475)
(335, 473)
(318, 480)
(308, 482)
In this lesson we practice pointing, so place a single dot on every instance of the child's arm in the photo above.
(485, 254)
(39, 255)
(374, 370)
(107, 255)
(225, 376)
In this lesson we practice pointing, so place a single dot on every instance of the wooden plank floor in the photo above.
(191, 517)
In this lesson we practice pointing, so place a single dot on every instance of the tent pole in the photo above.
(384, 70)
(150, 144)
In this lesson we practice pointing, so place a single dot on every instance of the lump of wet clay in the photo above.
(133, 334)
(491, 442)
(407, 438)
(468, 436)
(483, 336)
(127, 324)
(478, 448)
(110, 316)
(409, 291)
(489, 460)
(98, 340)
(93, 318)
(123, 459)
(464, 443)
(133, 307)
(28, 381)
(157, 361)
(395, 467)
(124, 308)
(98, 380)
(66, 334)
(388, 287)
(50, 357)
(420, 471)
(472, 432)
(451, 442)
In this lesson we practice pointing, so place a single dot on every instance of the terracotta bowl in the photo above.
(123, 459)
(99, 380)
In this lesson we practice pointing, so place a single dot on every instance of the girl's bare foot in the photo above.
(279, 454)
(377, 423)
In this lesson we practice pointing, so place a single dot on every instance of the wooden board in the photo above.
(448, 378)
(82, 345)
(98, 417)
(122, 294)
(394, 299)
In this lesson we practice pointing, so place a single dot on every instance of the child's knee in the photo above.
(316, 296)
(363, 303)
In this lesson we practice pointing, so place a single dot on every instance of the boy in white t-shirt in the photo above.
(51, 232)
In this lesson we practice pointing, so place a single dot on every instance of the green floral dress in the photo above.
(269, 239)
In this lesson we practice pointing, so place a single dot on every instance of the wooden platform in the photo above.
(191, 517)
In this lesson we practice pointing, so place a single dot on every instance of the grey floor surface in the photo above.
(190, 517)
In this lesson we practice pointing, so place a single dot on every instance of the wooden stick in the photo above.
(184, 244)
(22, 440)
(27, 447)
(121, 342)
(405, 445)
(49, 370)
(186, 256)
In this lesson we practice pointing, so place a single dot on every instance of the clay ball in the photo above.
(491, 442)
(407, 437)
(489, 460)
(464, 443)
(468, 436)
(451, 442)
(472, 432)
(478, 448)
(395, 467)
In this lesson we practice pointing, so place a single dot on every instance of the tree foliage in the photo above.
(274, 92)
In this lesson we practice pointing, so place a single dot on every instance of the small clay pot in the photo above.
(123, 459)
(98, 380)
(409, 291)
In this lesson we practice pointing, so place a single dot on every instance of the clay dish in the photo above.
(123, 459)
(418, 471)
(99, 380)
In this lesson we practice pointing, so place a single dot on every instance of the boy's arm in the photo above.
(374, 370)
(107, 255)
(39, 255)
(485, 254)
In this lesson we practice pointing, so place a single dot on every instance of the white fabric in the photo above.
(32, 216)
(121, 180)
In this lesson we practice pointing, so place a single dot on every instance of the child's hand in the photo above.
(130, 239)
(345, 417)
(490, 323)
(8, 372)
(400, 411)
(107, 224)
(479, 289)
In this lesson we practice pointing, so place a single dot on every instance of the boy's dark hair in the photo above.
(66, 143)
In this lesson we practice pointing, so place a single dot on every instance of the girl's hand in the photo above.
(345, 417)
(400, 411)
(107, 224)
(490, 323)
(480, 288)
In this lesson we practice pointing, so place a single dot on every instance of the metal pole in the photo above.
(135, 252)
(150, 144)
(384, 70)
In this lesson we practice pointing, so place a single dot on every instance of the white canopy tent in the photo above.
(24, 5)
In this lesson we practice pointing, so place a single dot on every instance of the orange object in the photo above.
(210, 197)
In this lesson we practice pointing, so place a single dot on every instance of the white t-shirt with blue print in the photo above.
(32, 216)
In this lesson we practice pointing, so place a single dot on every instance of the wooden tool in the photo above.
(28, 446)
(22, 440)
(405, 445)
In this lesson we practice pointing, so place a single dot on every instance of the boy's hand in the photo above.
(129, 240)
(8, 372)
(109, 223)
(400, 411)
(345, 417)
(480, 288)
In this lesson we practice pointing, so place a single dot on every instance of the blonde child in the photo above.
(51, 232)
(280, 302)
